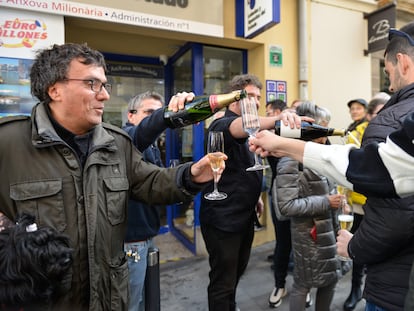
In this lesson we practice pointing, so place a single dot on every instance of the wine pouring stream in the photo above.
(251, 126)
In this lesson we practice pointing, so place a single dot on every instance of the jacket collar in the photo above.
(404, 93)
(44, 134)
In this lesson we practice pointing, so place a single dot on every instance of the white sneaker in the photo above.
(275, 299)
(309, 301)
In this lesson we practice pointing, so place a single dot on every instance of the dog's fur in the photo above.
(34, 266)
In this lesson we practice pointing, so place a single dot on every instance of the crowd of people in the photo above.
(380, 170)
(88, 193)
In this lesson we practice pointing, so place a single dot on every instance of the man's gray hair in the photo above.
(135, 102)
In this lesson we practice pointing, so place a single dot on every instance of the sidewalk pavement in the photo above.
(184, 285)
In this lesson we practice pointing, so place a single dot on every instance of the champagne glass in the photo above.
(346, 213)
(215, 145)
(251, 126)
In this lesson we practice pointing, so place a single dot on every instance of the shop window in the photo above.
(128, 80)
(15, 96)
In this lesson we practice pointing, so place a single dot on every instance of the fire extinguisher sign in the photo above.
(275, 56)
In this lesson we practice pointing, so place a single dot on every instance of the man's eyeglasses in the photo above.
(394, 32)
(96, 85)
(147, 111)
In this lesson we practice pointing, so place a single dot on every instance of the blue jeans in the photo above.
(137, 265)
(369, 306)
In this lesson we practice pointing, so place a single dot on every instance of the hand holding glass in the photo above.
(215, 147)
(346, 213)
(251, 125)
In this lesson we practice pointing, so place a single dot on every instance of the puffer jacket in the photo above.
(357, 134)
(302, 196)
(42, 175)
(384, 240)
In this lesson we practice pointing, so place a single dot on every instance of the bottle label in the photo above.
(213, 102)
(286, 131)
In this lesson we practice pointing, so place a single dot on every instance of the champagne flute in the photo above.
(346, 213)
(251, 126)
(215, 145)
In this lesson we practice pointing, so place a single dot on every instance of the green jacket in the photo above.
(41, 174)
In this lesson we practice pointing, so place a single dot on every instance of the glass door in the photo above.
(129, 79)
(179, 143)
(203, 70)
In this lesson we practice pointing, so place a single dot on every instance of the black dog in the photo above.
(34, 265)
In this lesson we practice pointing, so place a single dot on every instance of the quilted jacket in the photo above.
(302, 196)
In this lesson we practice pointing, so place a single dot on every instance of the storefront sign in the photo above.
(379, 22)
(23, 32)
(255, 16)
(135, 70)
(190, 15)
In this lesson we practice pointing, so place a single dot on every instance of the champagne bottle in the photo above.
(308, 131)
(200, 108)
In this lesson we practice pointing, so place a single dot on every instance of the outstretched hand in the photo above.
(201, 171)
(177, 102)
(290, 118)
(266, 143)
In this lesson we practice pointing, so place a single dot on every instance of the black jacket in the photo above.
(385, 238)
